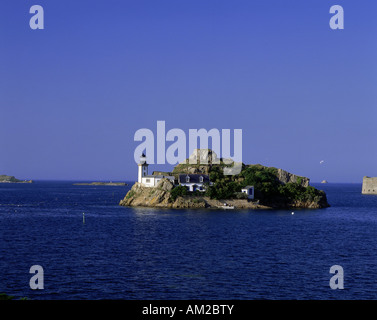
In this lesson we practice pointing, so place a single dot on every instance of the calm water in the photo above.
(124, 253)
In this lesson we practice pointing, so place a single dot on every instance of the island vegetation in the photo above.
(268, 189)
(274, 188)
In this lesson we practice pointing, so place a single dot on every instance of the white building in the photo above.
(249, 190)
(149, 180)
(194, 181)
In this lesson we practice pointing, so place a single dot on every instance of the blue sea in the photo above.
(140, 253)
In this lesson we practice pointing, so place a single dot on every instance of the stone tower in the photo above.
(369, 185)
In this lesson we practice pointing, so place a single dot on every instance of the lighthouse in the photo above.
(142, 168)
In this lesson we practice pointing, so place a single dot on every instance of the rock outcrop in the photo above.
(199, 162)
(286, 177)
(159, 197)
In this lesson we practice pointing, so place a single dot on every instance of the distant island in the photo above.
(12, 179)
(201, 185)
(116, 184)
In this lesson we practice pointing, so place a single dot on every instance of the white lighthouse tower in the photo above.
(142, 168)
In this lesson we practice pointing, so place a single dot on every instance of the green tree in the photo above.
(178, 191)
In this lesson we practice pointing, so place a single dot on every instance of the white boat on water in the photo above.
(226, 206)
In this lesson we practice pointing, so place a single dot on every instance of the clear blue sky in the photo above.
(73, 95)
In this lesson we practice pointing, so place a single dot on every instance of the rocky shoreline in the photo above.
(274, 188)
(160, 197)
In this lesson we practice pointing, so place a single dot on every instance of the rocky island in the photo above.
(205, 186)
(114, 184)
(12, 179)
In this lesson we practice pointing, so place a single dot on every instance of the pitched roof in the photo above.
(194, 178)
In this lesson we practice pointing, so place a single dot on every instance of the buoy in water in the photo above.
(292, 213)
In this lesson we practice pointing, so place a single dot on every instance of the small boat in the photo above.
(227, 206)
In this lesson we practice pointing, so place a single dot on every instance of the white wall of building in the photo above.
(148, 181)
(190, 186)
(249, 192)
(152, 181)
